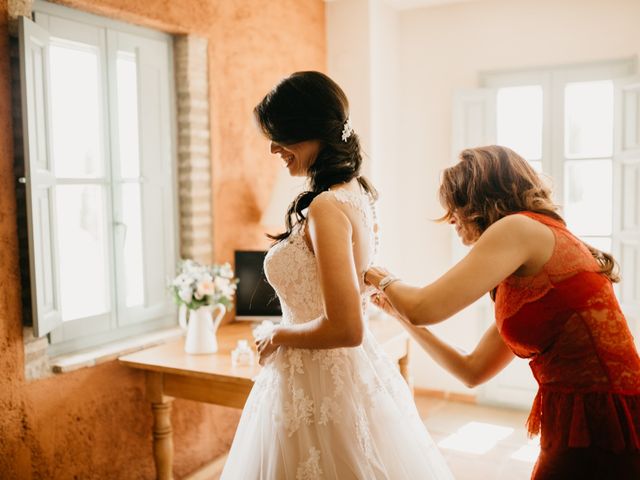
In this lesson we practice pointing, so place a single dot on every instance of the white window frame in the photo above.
(158, 311)
(553, 81)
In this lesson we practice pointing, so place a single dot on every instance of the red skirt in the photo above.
(591, 463)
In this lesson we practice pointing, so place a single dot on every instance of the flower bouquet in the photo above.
(201, 289)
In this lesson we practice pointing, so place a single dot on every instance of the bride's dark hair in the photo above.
(311, 106)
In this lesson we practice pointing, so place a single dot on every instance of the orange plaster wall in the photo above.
(96, 423)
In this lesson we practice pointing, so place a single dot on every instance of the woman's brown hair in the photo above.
(489, 183)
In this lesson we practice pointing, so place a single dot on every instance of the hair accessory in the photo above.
(347, 130)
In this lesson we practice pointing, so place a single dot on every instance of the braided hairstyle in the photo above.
(311, 106)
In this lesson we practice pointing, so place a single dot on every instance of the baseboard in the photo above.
(209, 471)
(445, 395)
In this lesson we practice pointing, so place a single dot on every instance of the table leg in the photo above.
(162, 440)
(162, 431)
(405, 368)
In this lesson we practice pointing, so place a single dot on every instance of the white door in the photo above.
(626, 179)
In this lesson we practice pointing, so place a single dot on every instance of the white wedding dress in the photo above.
(337, 414)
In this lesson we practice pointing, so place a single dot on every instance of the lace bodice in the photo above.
(567, 320)
(290, 265)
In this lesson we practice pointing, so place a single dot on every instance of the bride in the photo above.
(328, 403)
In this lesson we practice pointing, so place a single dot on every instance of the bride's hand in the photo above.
(374, 275)
(266, 346)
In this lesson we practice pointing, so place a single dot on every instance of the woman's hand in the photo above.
(374, 276)
(381, 301)
(266, 346)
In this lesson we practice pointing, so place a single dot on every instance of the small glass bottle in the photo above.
(242, 355)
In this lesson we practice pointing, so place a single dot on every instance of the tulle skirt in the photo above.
(332, 414)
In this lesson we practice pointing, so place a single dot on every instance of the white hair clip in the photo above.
(347, 130)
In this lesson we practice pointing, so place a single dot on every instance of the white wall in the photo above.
(444, 48)
(362, 44)
(385, 97)
(349, 62)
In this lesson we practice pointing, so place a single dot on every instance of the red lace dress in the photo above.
(567, 320)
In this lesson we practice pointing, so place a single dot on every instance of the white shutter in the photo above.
(626, 185)
(474, 118)
(39, 178)
(156, 180)
(475, 122)
(474, 125)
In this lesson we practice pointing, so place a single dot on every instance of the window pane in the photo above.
(588, 204)
(519, 112)
(128, 115)
(76, 126)
(588, 125)
(133, 265)
(603, 244)
(82, 244)
(537, 166)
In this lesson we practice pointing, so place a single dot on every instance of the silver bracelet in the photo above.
(386, 281)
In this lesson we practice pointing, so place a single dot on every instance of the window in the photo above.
(99, 164)
(561, 121)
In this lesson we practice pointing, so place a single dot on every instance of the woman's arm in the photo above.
(501, 250)
(330, 233)
(488, 358)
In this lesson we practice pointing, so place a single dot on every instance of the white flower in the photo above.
(221, 284)
(347, 130)
(182, 280)
(263, 330)
(185, 294)
(226, 271)
(208, 284)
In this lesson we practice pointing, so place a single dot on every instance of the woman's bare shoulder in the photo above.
(521, 230)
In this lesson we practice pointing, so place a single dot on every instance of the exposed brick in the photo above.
(188, 149)
(36, 358)
(194, 209)
(193, 222)
(193, 162)
(194, 152)
(16, 9)
(195, 177)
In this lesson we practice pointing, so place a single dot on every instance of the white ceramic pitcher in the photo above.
(202, 328)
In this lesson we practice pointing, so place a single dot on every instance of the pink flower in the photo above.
(206, 287)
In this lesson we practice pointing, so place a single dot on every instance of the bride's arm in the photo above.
(342, 325)
(501, 250)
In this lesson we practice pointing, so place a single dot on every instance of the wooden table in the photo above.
(171, 373)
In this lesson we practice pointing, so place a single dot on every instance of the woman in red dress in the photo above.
(554, 304)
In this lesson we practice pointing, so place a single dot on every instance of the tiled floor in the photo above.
(463, 430)
(478, 442)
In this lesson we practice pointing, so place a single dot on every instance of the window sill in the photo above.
(111, 351)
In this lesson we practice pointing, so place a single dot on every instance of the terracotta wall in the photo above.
(95, 423)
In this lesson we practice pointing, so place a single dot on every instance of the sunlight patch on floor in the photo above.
(529, 452)
(475, 437)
